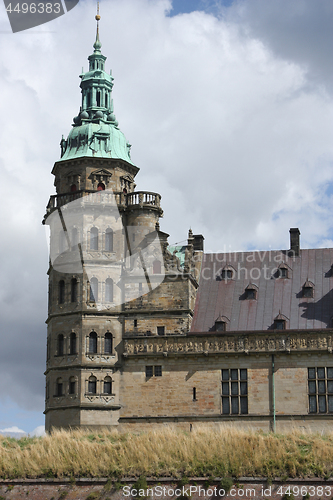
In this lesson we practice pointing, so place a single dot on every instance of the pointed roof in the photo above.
(95, 131)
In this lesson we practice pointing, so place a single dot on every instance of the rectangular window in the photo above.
(153, 371)
(234, 392)
(158, 371)
(161, 330)
(320, 390)
(71, 387)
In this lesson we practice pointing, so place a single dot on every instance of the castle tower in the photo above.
(91, 247)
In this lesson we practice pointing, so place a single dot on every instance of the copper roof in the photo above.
(275, 295)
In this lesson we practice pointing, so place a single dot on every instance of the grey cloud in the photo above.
(297, 30)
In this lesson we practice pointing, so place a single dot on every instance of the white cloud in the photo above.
(228, 122)
(39, 431)
(14, 428)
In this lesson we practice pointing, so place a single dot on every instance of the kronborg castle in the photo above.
(141, 333)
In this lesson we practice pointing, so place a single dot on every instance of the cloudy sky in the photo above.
(228, 107)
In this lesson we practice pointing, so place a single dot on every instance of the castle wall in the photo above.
(188, 385)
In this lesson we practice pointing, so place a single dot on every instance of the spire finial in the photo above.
(97, 45)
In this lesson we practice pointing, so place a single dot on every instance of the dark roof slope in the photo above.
(275, 294)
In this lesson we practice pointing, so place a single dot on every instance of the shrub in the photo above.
(226, 484)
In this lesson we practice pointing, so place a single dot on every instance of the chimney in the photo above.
(294, 241)
(198, 243)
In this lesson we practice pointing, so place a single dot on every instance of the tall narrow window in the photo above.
(320, 387)
(94, 238)
(106, 100)
(62, 242)
(194, 393)
(107, 389)
(93, 294)
(108, 343)
(59, 387)
(74, 241)
(72, 385)
(98, 98)
(60, 349)
(109, 240)
(61, 297)
(72, 343)
(88, 100)
(93, 342)
(92, 385)
(234, 392)
(73, 290)
(109, 290)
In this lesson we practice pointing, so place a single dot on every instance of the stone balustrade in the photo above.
(120, 199)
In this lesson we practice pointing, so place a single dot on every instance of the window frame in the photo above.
(234, 391)
(108, 337)
(93, 244)
(93, 342)
(321, 395)
(153, 371)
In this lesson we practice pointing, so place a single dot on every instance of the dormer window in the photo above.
(227, 273)
(283, 271)
(308, 290)
(280, 322)
(220, 324)
(251, 292)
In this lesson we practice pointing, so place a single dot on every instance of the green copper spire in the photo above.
(95, 130)
(97, 45)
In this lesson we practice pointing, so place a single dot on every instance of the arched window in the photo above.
(73, 290)
(156, 267)
(108, 341)
(72, 343)
(93, 342)
(72, 386)
(74, 240)
(59, 387)
(109, 240)
(61, 296)
(107, 388)
(92, 384)
(94, 238)
(109, 290)
(101, 186)
(60, 349)
(73, 188)
(93, 294)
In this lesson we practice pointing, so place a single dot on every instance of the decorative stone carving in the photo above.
(255, 343)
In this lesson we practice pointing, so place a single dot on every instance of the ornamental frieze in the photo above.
(229, 344)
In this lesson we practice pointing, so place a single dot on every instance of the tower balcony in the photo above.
(139, 199)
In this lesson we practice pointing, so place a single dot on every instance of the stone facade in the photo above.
(141, 334)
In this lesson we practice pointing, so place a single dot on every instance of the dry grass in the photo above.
(168, 452)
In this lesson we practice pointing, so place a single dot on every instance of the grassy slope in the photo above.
(168, 452)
